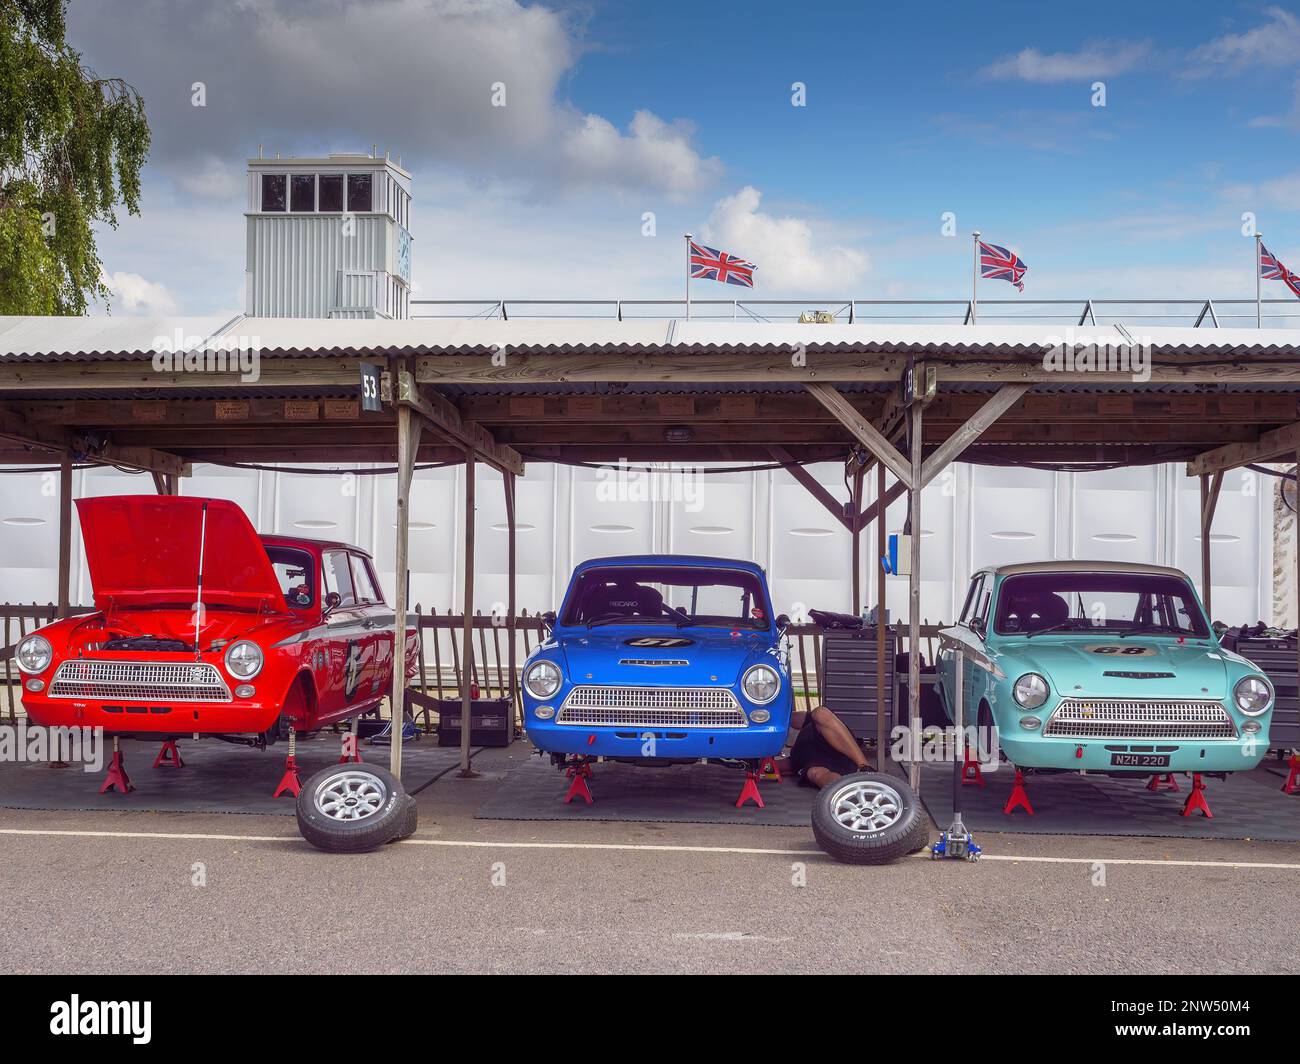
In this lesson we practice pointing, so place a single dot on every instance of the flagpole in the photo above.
(1259, 304)
(688, 276)
(974, 274)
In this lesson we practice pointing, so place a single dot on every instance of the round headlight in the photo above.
(34, 654)
(244, 659)
(1252, 695)
(542, 679)
(761, 684)
(1030, 690)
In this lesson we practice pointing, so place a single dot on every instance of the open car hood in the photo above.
(144, 550)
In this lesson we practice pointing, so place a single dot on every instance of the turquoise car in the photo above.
(1105, 667)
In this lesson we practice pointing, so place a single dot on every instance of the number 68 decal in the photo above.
(1127, 651)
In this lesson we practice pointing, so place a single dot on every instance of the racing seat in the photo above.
(630, 600)
(1034, 612)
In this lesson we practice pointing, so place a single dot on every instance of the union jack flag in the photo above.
(1270, 269)
(710, 264)
(1001, 264)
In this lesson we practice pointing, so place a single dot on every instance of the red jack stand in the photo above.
(117, 776)
(1163, 781)
(169, 756)
(970, 770)
(768, 770)
(350, 751)
(750, 790)
(1019, 797)
(1292, 784)
(290, 783)
(579, 772)
(1196, 800)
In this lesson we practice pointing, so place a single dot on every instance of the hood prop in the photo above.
(198, 602)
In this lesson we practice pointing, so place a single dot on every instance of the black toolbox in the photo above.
(491, 722)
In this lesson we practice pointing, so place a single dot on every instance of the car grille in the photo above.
(652, 707)
(139, 681)
(1114, 718)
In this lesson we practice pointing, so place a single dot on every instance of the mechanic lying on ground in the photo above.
(823, 751)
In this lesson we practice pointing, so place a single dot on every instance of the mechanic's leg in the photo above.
(821, 777)
(832, 729)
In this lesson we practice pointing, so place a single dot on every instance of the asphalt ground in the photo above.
(121, 891)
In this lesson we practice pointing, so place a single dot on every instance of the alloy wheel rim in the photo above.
(866, 805)
(351, 796)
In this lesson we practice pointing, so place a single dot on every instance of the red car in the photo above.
(203, 626)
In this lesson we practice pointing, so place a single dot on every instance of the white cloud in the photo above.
(422, 78)
(791, 258)
(1095, 59)
(1282, 192)
(1275, 43)
(133, 294)
(652, 155)
(1290, 120)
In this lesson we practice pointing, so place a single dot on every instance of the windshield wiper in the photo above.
(1063, 626)
(1169, 629)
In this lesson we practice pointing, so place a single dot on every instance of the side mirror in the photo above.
(977, 625)
(548, 619)
(332, 601)
(783, 622)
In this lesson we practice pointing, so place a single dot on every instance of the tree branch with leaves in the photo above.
(72, 145)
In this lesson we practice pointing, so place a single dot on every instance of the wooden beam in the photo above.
(812, 485)
(1270, 445)
(882, 504)
(1210, 488)
(743, 367)
(446, 419)
(508, 483)
(467, 676)
(914, 598)
(65, 533)
(896, 491)
(863, 431)
(855, 550)
(408, 446)
(948, 451)
(92, 449)
(44, 378)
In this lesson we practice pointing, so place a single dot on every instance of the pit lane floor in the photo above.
(169, 892)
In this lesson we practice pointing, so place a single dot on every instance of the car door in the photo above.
(966, 635)
(377, 630)
(345, 624)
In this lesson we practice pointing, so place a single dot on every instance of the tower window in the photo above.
(331, 192)
(302, 193)
(273, 192)
(359, 194)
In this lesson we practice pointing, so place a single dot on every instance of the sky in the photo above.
(985, 116)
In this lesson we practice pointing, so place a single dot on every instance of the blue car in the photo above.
(1106, 667)
(659, 659)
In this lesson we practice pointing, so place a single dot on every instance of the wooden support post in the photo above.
(881, 546)
(65, 533)
(914, 599)
(856, 551)
(408, 446)
(1296, 523)
(509, 482)
(1210, 487)
(467, 673)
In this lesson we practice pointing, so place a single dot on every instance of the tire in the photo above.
(410, 819)
(899, 827)
(352, 808)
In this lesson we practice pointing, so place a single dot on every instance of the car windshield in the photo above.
(296, 574)
(667, 595)
(1117, 603)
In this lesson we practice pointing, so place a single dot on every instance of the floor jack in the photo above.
(957, 843)
(117, 776)
(290, 782)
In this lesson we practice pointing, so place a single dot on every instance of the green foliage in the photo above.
(71, 149)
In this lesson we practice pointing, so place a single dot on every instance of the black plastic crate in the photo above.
(491, 722)
(1276, 658)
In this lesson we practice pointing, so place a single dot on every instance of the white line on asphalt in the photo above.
(648, 847)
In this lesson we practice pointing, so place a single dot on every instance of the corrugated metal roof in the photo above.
(91, 339)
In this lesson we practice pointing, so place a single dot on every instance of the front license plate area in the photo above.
(1139, 760)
